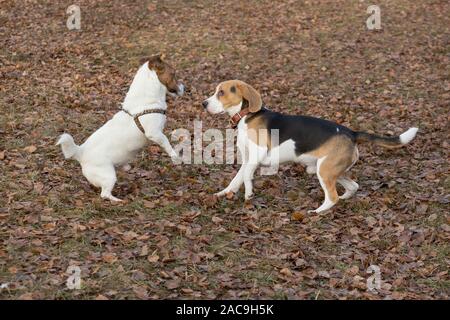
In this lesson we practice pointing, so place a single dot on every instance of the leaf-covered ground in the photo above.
(171, 239)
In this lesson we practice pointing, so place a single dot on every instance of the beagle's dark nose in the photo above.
(205, 104)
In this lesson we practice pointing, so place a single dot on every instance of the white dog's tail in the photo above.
(68, 146)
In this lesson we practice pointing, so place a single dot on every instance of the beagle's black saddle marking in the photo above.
(307, 132)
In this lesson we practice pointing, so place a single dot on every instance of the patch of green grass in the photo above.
(262, 278)
(79, 244)
(441, 252)
(442, 285)
(166, 211)
(382, 244)
(359, 207)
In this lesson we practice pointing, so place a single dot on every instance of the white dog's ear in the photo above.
(251, 95)
(154, 62)
(146, 59)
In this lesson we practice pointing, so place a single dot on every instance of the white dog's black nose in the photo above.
(205, 104)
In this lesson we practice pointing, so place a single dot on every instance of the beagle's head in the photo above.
(166, 75)
(230, 97)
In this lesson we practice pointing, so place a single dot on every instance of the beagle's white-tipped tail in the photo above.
(387, 141)
(408, 135)
(68, 146)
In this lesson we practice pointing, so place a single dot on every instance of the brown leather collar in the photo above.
(136, 116)
(238, 116)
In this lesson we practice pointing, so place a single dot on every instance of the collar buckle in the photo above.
(238, 117)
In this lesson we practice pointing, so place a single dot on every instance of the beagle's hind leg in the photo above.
(350, 187)
(330, 167)
(327, 180)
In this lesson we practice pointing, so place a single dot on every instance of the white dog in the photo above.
(142, 118)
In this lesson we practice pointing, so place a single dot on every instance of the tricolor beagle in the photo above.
(142, 118)
(326, 148)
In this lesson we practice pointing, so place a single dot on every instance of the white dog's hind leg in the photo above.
(106, 193)
(103, 177)
(107, 184)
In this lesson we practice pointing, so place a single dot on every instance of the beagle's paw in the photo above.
(226, 192)
(221, 193)
(248, 196)
(311, 170)
(176, 159)
(318, 210)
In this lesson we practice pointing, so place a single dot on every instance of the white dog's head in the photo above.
(229, 97)
(166, 75)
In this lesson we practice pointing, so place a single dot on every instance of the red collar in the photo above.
(237, 117)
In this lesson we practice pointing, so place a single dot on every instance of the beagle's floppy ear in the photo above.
(251, 95)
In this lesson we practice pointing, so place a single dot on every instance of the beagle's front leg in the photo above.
(235, 184)
(252, 157)
(248, 177)
(238, 179)
(256, 155)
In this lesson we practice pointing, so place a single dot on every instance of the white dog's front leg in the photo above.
(235, 184)
(161, 139)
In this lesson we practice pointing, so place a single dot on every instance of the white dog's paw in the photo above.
(126, 167)
(111, 198)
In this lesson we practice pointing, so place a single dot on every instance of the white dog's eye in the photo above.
(220, 93)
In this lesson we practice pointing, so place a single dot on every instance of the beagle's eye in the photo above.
(220, 93)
